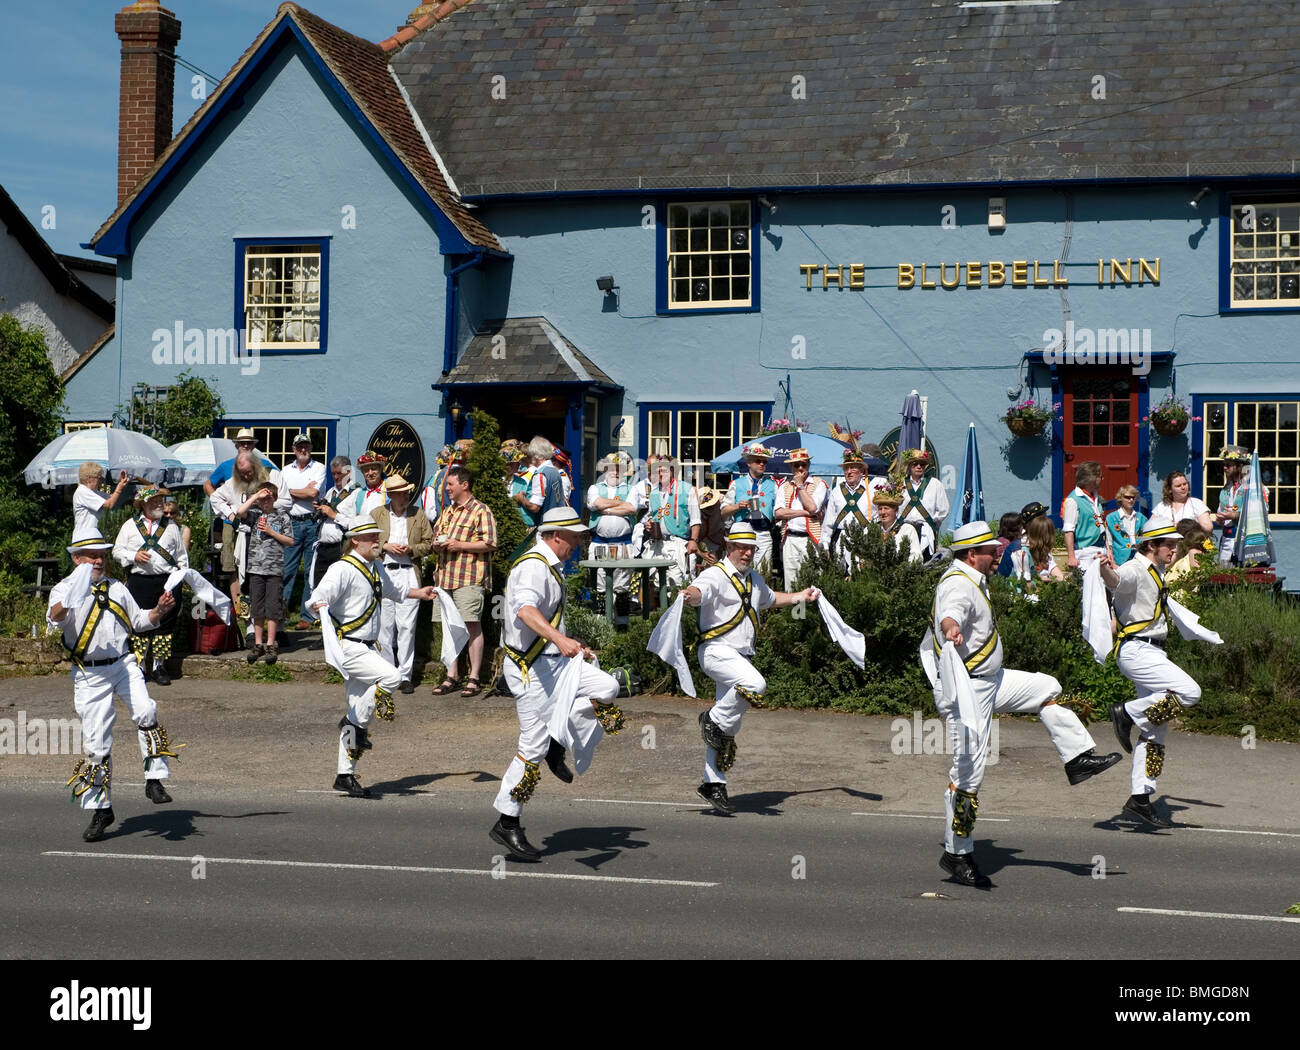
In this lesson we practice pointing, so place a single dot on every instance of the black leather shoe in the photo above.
(161, 677)
(98, 824)
(716, 796)
(407, 687)
(555, 761)
(1081, 767)
(961, 866)
(155, 792)
(513, 840)
(1140, 806)
(1123, 724)
(710, 733)
(349, 783)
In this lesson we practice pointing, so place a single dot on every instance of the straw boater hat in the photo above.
(853, 458)
(370, 459)
(397, 483)
(364, 530)
(707, 497)
(1235, 454)
(916, 455)
(1153, 533)
(975, 534)
(87, 539)
(756, 451)
(742, 534)
(797, 456)
(561, 519)
(244, 435)
(887, 496)
(146, 494)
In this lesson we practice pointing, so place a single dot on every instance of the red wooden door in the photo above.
(1099, 408)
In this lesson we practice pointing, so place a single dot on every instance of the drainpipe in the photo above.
(453, 308)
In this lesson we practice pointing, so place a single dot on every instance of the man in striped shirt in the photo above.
(466, 536)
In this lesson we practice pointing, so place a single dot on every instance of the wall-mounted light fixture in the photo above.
(606, 285)
(1199, 197)
(997, 213)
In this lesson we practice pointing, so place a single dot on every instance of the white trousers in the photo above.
(1154, 674)
(1006, 692)
(367, 670)
(763, 556)
(793, 554)
(679, 574)
(534, 702)
(92, 694)
(397, 623)
(622, 577)
(728, 668)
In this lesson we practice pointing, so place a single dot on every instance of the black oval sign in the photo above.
(397, 441)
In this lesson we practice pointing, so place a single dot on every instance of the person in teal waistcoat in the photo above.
(1083, 518)
(1124, 523)
(752, 499)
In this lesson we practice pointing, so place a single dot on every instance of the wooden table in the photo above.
(641, 565)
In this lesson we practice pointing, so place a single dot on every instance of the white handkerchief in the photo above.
(78, 586)
(928, 663)
(209, 595)
(454, 632)
(173, 578)
(333, 649)
(666, 643)
(1189, 624)
(854, 643)
(957, 691)
(1096, 612)
(573, 721)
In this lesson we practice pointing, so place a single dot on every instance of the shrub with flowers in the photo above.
(783, 426)
(1171, 416)
(1030, 411)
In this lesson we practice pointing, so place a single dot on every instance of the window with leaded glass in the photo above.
(1268, 425)
(1265, 249)
(710, 255)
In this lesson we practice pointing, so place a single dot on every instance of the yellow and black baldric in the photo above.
(745, 591)
(153, 543)
(376, 589)
(1127, 631)
(981, 656)
(102, 603)
(525, 658)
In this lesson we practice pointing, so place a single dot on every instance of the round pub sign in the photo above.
(397, 441)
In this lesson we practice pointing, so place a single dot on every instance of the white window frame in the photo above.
(709, 248)
(1264, 238)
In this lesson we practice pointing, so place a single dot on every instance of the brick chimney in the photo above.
(149, 33)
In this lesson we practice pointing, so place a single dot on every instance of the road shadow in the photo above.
(768, 803)
(407, 785)
(1127, 822)
(992, 858)
(176, 825)
(607, 843)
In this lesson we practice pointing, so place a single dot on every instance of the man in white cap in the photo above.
(962, 615)
(149, 547)
(537, 651)
(405, 538)
(351, 590)
(730, 595)
(1164, 689)
(800, 502)
(97, 616)
(752, 499)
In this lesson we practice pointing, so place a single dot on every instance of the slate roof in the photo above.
(533, 352)
(627, 94)
(362, 68)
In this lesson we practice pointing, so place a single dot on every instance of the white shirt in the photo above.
(349, 594)
(331, 531)
(227, 497)
(397, 534)
(366, 500)
(787, 496)
(613, 526)
(110, 639)
(836, 502)
(296, 477)
(919, 536)
(129, 541)
(963, 596)
(933, 498)
(87, 504)
(1136, 595)
(1070, 512)
(532, 583)
(1163, 513)
(720, 602)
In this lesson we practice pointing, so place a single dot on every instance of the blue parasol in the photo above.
(827, 455)
(969, 504)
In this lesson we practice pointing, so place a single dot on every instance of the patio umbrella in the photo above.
(969, 504)
(1254, 544)
(827, 455)
(200, 457)
(909, 436)
(112, 448)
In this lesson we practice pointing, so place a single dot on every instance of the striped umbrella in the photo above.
(200, 457)
(112, 448)
(1254, 544)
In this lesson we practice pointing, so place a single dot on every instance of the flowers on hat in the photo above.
(757, 450)
(888, 495)
(852, 458)
(916, 455)
(371, 458)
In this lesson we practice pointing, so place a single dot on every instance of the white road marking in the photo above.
(638, 802)
(1212, 914)
(929, 816)
(1239, 831)
(380, 867)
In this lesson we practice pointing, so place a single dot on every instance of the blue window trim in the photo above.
(323, 243)
(661, 258)
(1196, 468)
(330, 425)
(644, 408)
(1273, 195)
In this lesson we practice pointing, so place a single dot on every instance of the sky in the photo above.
(59, 71)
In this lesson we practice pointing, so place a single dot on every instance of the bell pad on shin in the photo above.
(1155, 759)
(965, 804)
(753, 696)
(1163, 709)
(523, 791)
(90, 776)
(610, 717)
(159, 744)
(385, 705)
(726, 754)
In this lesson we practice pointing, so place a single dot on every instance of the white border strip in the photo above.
(1239, 831)
(929, 816)
(1212, 914)
(379, 867)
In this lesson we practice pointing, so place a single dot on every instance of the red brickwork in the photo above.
(149, 33)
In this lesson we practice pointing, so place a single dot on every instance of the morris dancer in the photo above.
(970, 685)
(800, 502)
(538, 650)
(1083, 518)
(97, 622)
(1164, 689)
(848, 504)
(925, 503)
(729, 595)
(351, 590)
(919, 537)
(149, 548)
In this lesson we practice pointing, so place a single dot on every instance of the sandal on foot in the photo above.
(472, 690)
(449, 686)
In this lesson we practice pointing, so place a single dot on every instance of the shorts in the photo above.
(266, 595)
(468, 601)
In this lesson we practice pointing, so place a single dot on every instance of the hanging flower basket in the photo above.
(1025, 426)
(1168, 427)
(1170, 417)
(1027, 419)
